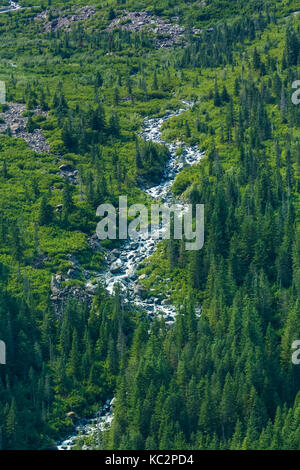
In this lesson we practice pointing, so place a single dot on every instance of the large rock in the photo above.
(116, 253)
(116, 267)
(131, 273)
(110, 258)
(91, 288)
(141, 291)
(55, 284)
(69, 173)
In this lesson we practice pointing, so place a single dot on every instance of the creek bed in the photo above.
(132, 253)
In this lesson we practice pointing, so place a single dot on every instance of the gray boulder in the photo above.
(116, 267)
(140, 291)
(55, 284)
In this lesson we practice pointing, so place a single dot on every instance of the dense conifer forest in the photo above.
(222, 379)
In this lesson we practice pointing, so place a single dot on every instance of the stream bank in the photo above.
(125, 260)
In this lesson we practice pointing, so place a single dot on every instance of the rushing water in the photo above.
(86, 427)
(132, 253)
(13, 6)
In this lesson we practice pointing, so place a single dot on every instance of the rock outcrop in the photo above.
(116, 267)
(144, 20)
(69, 173)
(64, 21)
(61, 295)
(14, 123)
(166, 34)
(94, 243)
(140, 291)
